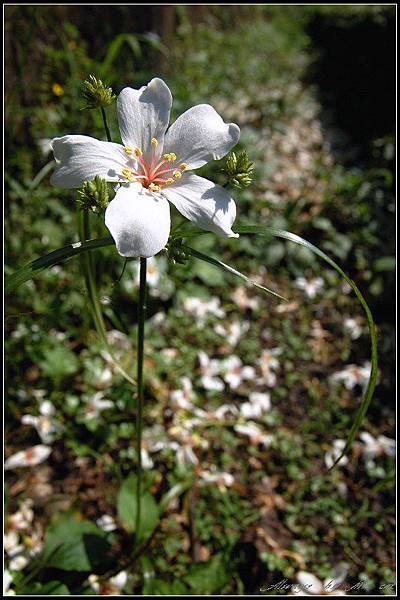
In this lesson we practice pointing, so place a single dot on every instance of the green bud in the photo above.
(238, 169)
(93, 195)
(175, 252)
(96, 93)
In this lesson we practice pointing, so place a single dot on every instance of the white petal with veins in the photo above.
(200, 135)
(138, 221)
(204, 203)
(80, 158)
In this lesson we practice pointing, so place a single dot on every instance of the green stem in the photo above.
(139, 405)
(108, 134)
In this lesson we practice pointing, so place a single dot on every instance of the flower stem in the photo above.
(103, 114)
(139, 404)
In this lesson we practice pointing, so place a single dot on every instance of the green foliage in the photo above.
(126, 504)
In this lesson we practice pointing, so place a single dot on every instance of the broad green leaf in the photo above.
(127, 507)
(59, 362)
(54, 258)
(208, 578)
(161, 587)
(228, 269)
(73, 545)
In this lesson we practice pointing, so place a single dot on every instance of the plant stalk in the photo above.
(108, 134)
(139, 405)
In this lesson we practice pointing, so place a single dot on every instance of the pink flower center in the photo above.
(154, 172)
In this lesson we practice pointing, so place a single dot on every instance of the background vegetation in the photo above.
(312, 88)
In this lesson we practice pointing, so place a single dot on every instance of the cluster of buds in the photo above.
(239, 170)
(93, 195)
(175, 252)
(96, 93)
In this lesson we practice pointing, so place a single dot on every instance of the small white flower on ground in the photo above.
(221, 479)
(201, 308)
(373, 447)
(28, 458)
(268, 364)
(209, 369)
(23, 518)
(353, 327)
(96, 405)
(243, 300)
(258, 405)
(235, 373)
(232, 332)
(309, 585)
(311, 287)
(106, 523)
(44, 424)
(183, 397)
(353, 375)
(7, 581)
(112, 587)
(255, 434)
(153, 168)
(333, 454)
(147, 463)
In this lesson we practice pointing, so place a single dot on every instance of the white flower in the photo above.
(182, 398)
(223, 480)
(254, 433)
(231, 332)
(353, 375)
(310, 585)
(377, 446)
(268, 363)
(28, 458)
(23, 518)
(243, 301)
(353, 327)
(333, 454)
(235, 372)
(44, 424)
(209, 368)
(7, 581)
(97, 404)
(112, 587)
(153, 168)
(257, 405)
(202, 308)
(147, 463)
(107, 523)
(311, 287)
(45, 146)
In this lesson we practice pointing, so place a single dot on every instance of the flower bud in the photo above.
(96, 93)
(93, 195)
(238, 169)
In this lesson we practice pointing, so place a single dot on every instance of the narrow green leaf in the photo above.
(229, 269)
(35, 267)
(272, 231)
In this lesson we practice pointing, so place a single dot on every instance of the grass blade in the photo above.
(229, 269)
(35, 267)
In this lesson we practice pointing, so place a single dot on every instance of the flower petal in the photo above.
(200, 135)
(204, 203)
(138, 220)
(80, 157)
(309, 583)
(144, 114)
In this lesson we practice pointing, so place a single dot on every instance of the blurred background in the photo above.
(250, 397)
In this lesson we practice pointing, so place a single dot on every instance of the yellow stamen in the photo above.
(169, 181)
(183, 166)
(171, 156)
(154, 142)
(128, 150)
(154, 188)
(177, 174)
(138, 152)
(126, 172)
